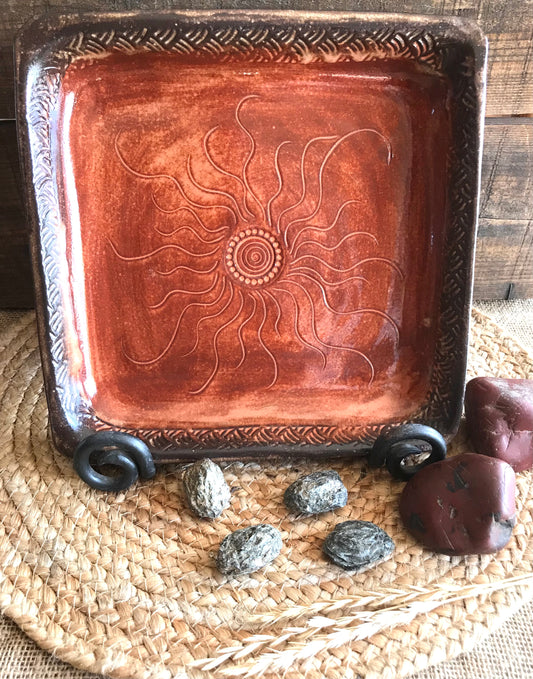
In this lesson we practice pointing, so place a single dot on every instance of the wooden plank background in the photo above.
(504, 260)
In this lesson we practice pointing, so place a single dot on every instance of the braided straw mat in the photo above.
(125, 584)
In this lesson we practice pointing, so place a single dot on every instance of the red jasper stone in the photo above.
(499, 418)
(462, 505)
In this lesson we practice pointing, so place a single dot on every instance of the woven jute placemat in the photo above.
(125, 584)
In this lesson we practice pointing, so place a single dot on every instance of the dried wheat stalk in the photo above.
(387, 608)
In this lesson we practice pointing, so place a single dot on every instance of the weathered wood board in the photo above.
(507, 184)
(505, 243)
(15, 270)
(504, 256)
(504, 253)
(508, 24)
(504, 259)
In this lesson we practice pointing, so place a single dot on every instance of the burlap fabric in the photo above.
(125, 584)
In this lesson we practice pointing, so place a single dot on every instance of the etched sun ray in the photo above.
(259, 263)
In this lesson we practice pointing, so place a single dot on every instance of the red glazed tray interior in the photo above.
(252, 243)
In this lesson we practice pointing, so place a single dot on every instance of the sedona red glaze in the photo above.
(253, 244)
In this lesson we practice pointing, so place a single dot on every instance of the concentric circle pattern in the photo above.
(125, 584)
(254, 257)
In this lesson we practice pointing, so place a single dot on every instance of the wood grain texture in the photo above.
(15, 271)
(504, 259)
(507, 179)
(504, 255)
(506, 211)
(508, 24)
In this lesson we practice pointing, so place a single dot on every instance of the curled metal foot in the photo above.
(125, 452)
(407, 449)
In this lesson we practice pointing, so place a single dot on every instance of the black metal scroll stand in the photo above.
(404, 450)
(120, 451)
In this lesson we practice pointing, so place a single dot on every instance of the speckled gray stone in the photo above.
(316, 493)
(207, 492)
(357, 545)
(248, 549)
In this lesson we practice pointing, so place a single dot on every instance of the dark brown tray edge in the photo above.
(70, 423)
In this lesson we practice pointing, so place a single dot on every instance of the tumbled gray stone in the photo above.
(316, 493)
(357, 545)
(207, 492)
(248, 549)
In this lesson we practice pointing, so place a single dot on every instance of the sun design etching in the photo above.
(245, 264)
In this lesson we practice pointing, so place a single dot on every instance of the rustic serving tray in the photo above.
(252, 232)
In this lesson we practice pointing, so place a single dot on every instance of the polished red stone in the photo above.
(462, 505)
(499, 417)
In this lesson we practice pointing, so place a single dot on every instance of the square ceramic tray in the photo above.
(252, 232)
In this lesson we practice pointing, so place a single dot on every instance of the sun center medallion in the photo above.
(254, 257)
